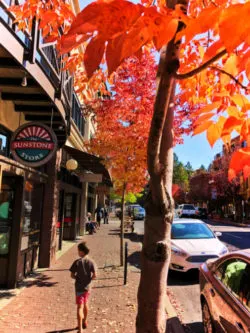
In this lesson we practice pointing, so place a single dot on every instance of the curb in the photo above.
(174, 324)
(235, 224)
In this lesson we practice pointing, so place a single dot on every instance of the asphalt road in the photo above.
(185, 286)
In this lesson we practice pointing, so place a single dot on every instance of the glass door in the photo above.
(6, 214)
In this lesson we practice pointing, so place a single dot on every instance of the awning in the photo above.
(89, 162)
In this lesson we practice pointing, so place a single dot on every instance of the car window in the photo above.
(235, 276)
(190, 231)
(189, 207)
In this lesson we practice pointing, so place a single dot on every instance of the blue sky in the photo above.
(197, 151)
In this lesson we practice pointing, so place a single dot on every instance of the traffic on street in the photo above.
(185, 286)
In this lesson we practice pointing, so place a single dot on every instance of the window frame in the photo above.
(7, 133)
(235, 297)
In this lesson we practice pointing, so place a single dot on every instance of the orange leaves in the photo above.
(214, 132)
(232, 124)
(165, 32)
(126, 27)
(93, 55)
(66, 42)
(208, 19)
(240, 161)
(235, 25)
(202, 127)
(47, 18)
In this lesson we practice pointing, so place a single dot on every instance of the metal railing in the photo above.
(77, 115)
(44, 54)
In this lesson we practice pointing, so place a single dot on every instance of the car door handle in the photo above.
(239, 327)
(212, 292)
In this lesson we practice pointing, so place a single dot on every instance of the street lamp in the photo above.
(71, 165)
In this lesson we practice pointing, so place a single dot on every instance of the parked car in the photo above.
(139, 213)
(192, 243)
(131, 209)
(201, 213)
(118, 212)
(225, 293)
(186, 210)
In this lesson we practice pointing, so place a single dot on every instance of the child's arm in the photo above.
(73, 270)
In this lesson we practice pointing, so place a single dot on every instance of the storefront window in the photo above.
(68, 206)
(6, 204)
(4, 141)
(27, 207)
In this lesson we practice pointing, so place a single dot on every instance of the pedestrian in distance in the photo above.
(83, 271)
(98, 212)
(106, 215)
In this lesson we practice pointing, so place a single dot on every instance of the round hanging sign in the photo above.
(33, 144)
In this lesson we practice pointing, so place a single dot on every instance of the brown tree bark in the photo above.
(156, 251)
(122, 226)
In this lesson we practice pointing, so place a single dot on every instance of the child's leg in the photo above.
(85, 311)
(80, 316)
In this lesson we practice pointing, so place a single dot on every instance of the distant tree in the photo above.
(132, 197)
(227, 192)
(189, 169)
(180, 174)
(199, 189)
(202, 167)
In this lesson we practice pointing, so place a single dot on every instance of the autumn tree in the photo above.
(123, 123)
(203, 74)
(199, 187)
(227, 192)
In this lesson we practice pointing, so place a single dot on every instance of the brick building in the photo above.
(230, 198)
(41, 201)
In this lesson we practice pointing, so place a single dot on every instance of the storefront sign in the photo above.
(91, 178)
(33, 144)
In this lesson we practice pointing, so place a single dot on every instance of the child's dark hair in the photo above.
(83, 248)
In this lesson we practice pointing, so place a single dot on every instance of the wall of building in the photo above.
(8, 117)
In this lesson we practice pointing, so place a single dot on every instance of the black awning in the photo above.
(90, 163)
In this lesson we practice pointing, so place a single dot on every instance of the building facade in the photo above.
(41, 204)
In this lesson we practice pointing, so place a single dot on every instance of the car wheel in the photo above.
(207, 319)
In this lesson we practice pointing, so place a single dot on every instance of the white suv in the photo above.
(186, 210)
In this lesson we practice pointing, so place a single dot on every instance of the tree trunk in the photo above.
(156, 250)
(122, 227)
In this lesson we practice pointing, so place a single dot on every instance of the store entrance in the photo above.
(7, 198)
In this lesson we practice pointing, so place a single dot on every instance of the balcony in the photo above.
(77, 115)
(31, 76)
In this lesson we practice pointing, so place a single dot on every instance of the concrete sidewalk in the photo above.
(47, 303)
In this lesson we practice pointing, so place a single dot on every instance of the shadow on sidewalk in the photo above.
(133, 237)
(134, 259)
(64, 331)
(38, 280)
(113, 286)
(6, 294)
(194, 328)
(183, 279)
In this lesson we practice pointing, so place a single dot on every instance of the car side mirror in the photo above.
(218, 234)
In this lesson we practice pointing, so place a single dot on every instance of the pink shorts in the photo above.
(82, 298)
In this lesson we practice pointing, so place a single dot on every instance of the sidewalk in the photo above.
(232, 223)
(47, 304)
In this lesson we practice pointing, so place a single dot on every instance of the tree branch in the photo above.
(230, 75)
(200, 68)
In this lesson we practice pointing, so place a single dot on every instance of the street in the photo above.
(185, 286)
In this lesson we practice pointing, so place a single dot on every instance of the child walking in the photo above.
(83, 271)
